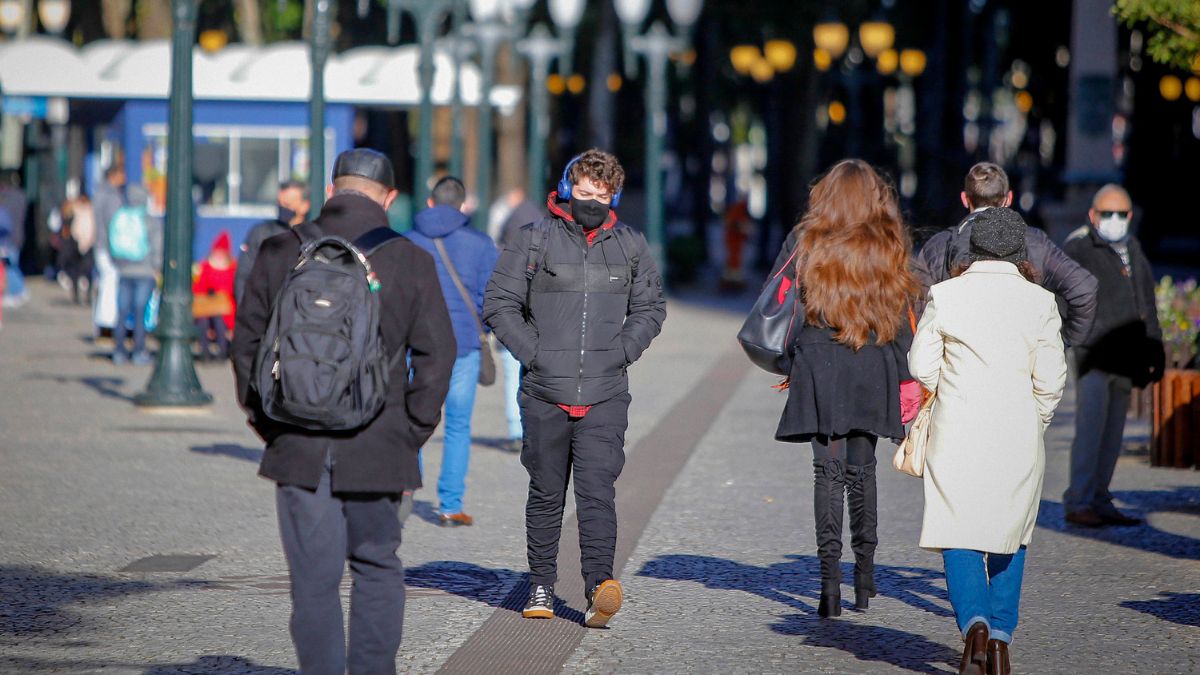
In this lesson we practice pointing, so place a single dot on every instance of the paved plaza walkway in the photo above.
(144, 543)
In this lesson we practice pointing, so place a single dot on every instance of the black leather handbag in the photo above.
(767, 331)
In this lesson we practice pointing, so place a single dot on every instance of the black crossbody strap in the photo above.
(462, 290)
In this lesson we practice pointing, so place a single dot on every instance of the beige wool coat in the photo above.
(988, 344)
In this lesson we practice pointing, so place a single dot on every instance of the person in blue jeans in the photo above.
(465, 258)
(137, 255)
(989, 347)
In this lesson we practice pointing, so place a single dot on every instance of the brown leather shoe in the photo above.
(1114, 517)
(974, 658)
(997, 658)
(454, 519)
(1084, 518)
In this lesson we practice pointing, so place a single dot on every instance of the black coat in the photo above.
(381, 457)
(835, 389)
(589, 316)
(1058, 273)
(1125, 338)
(250, 247)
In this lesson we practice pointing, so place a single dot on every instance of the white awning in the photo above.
(122, 69)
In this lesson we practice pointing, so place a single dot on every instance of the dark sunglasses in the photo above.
(1110, 214)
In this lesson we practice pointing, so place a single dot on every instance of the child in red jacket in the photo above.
(213, 304)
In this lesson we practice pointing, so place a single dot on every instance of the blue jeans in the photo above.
(14, 281)
(512, 385)
(456, 448)
(985, 587)
(1101, 403)
(133, 294)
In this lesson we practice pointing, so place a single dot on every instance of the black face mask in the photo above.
(589, 213)
(285, 215)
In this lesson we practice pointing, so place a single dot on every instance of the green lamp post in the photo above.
(318, 54)
(427, 15)
(174, 383)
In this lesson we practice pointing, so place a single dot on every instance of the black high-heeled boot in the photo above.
(828, 487)
(862, 500)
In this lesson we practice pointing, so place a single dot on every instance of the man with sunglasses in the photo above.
(576, 297)
(1123, 350)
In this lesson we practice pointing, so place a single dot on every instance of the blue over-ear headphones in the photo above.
(564, 184)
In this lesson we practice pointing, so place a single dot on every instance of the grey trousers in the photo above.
(320, 532)
(1101, 403)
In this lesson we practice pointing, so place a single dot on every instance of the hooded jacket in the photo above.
(1058, 273)
(473, 255)
(585, 316)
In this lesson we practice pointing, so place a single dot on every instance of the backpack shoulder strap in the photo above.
(537, 239)
(376, 239)
(631, 252)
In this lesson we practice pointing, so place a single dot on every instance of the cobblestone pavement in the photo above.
(95, 496)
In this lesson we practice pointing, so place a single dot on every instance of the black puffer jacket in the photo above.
(1059, 274)
(584, 317)
(1125, 338)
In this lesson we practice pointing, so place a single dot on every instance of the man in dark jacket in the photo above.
(473, 256)
(576, 298)
(1123, 350)
(338, 492)
(292, 208)
(986, 186)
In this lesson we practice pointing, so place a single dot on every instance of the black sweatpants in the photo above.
(320, 532)
(592, 449)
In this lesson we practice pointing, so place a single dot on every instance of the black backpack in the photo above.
(322, 364)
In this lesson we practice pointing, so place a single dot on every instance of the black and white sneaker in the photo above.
(540, 604)
(603, 602)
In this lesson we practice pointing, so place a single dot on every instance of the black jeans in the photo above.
(320, 532)
(592, 449)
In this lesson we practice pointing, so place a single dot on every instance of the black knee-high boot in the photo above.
(828, 486)
(862, 501)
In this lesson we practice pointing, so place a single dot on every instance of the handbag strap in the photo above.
(462, 290)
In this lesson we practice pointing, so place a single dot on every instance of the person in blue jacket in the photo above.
(473, 256)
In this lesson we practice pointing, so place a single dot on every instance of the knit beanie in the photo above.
(998, 233)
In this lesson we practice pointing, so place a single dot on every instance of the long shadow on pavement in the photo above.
(800, 577)
(230, 450)
(1144, 537)
(1180, 608)
(497, 587)
(108, 387)
(204, 665)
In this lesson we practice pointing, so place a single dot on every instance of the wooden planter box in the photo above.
(1176, 441)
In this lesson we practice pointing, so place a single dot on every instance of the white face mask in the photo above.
(1113, 228)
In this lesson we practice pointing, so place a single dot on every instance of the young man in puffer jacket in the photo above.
(576, 297)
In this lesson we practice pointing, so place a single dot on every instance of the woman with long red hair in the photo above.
(851, 256)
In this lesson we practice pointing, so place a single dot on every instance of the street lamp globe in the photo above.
(54, 14)
(831, 36)
(781, 54)
(684, 12)
(632, 12)
(12, 15)
(761, 71)
(876, 37)
(743, 58)
(887, 62)
(1171, 87)
(912, 62)
(485, 10)
(566, 13)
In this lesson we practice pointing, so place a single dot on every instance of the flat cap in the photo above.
(366, 163)
(998, 233)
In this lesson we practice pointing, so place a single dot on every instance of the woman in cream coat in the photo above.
(988, 345)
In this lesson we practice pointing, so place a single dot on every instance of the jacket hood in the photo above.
(556, 209)
(439, 221)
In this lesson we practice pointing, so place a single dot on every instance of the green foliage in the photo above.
(285, 25)
(1172, 28)
(1179, 317)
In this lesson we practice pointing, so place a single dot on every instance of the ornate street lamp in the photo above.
(174, 383)
(540, 48)
(426, 14)
(631, 13)
(656, 46)
(566, 15)
(489, 33)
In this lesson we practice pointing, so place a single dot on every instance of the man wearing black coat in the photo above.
(292, 208)
(1123, 350)
(986, 186)
(576, 298)
(338, 492)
